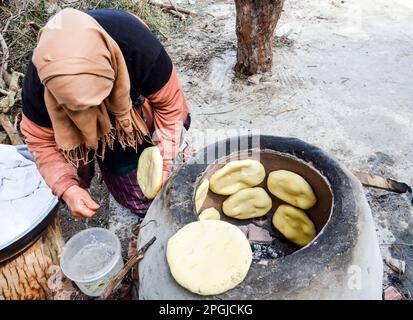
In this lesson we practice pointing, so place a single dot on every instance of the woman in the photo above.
(100, 86)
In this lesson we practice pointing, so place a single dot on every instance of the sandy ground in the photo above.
(341, 80)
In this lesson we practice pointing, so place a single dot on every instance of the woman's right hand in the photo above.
(80, 202)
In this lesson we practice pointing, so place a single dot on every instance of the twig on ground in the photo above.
(371, 180)
(164, 35)
(397, 244)
(280, 113)
(6, 78)
(5, 50)
(97, 4)
(171, 7)
(285, 111)
(16, 121)
(3, 137)
(180, 16)
(6, 26)
(218, 112)
(12, 94)
(175, 11)
(121, 274)
(11, 132)
(134, 286)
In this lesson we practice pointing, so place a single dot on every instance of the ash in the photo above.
(267, 251)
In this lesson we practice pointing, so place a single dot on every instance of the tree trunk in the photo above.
(255, 25)
(26, 276)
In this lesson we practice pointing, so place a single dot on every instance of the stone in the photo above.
(255, 79)
(258, 235)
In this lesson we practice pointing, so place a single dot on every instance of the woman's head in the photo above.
(86, 79)
(74, 61)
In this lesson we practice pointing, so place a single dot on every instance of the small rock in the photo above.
(391, 293)
(284, 30)
(258, 235)
(396, 265)
(255, 79)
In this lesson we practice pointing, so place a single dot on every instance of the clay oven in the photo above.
(342, 262)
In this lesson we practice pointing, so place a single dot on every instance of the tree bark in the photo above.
(255, 25)
(26, 276)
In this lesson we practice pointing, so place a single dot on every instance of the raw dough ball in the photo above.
(291, 188)
(150, 167)
(247, 204)
(209, 257)
(201, 194)
(294, 224)
(237, 175)
(210, 214)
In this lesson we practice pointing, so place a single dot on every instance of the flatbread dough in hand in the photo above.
(150, 167)
(210, 214)
(209, 257)
(237, 175)
(247, 204)
(294, 224)
(291, 188)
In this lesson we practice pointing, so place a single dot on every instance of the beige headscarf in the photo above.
(85, 78)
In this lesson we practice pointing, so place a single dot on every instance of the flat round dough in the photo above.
(210, 214)
(201, 194)
(209, 257)
(237, 175)
(294, 224)
(150, 167)
(247, 204)
(291, 188)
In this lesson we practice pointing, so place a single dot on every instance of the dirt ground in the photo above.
(342, 79)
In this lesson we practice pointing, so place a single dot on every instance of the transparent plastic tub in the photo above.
(91, 258)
